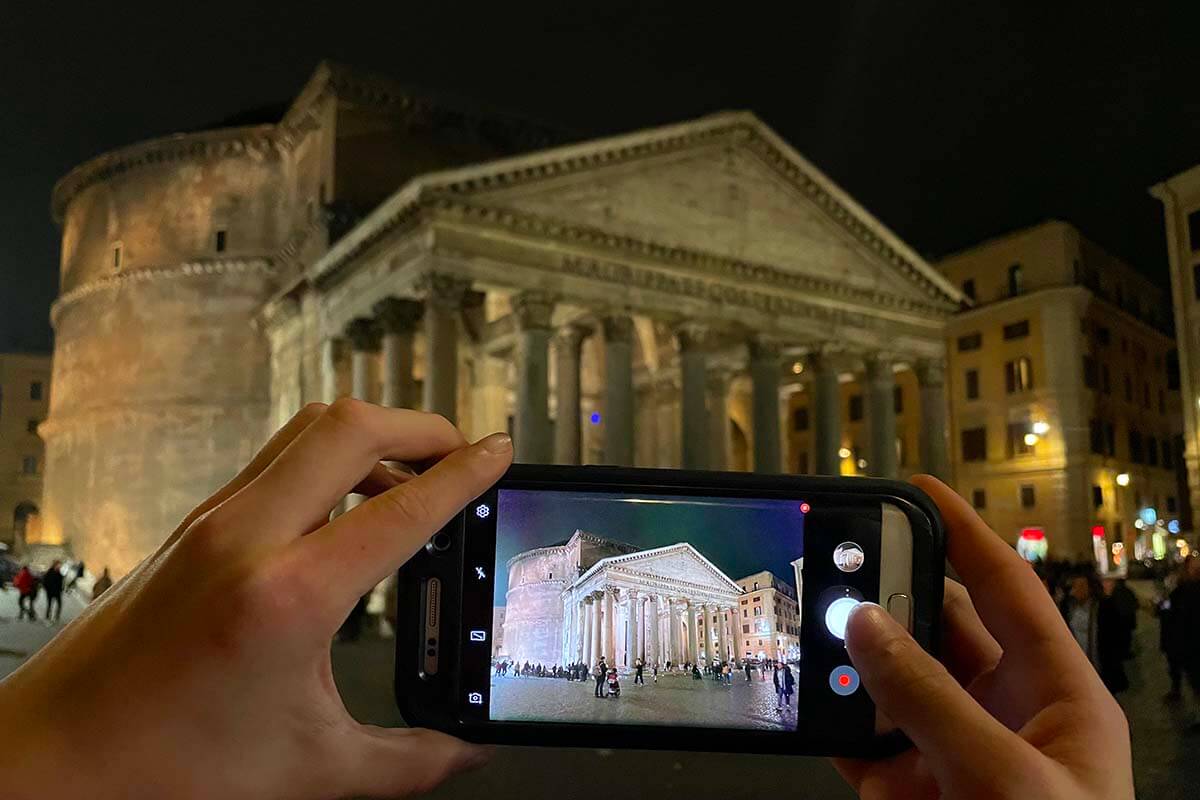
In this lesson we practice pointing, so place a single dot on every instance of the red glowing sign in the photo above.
(805, 508)
(1033, 534)
(1097, 531)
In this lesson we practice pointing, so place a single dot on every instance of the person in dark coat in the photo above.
(1185, 621)
(637, 678)
(599, 673)
(102, 584)
(26, 586)
(52, 582)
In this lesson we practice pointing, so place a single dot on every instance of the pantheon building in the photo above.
(592, 597)
(656, 298)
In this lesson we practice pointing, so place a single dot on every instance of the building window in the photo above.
(1193, 222)
(746, 629)
(802, 463)
(758, 611)
(968, 289)
(1173, 370)
(1016, 280)
(744, 614)
(1017, 431)
(220, 243)
(1089, 372)
(1097, 496)
(1151, 451)
(1105, 379)
(1028, 497)
(1172, 505)
(974, 444)
(1017, 330)
(856, 407)
(31, 426)
(898, 399)
(1162, 402)
(1018, 375)
(979, 499)
(116, 256)
(1103, 336)
(800, 419)
(1135, 447)
(1096, 436)
(972, 382)
(1166, 453)
(29, 465)
(35, 390)
(1110, 438)
(969, 342)
(1128, 390)
(1145, 395)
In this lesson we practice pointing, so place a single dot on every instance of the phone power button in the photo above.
(900, 607)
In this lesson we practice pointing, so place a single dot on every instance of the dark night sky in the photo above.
(950, 122)
(740, 537)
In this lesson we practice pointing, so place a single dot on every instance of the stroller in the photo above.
(614, 686)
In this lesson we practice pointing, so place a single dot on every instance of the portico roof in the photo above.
(642, 561)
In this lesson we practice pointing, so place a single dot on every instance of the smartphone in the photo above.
(661, 609)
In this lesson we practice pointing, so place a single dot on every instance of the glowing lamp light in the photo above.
(1031, 439)
(1097, 531)
(797, 368)
(1033, 534)
(1148, 515)
(844, 452)
(595, 418)
(1123, 479)
(862, 463)
(1137, 523)
(1041, 427)
(1173, 526)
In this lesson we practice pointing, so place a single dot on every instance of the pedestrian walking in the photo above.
(727, 674)
(638, 678)
(1185, 614)
(77, 574)
(1079, 608)
(26, 586)
(52, 583)
(789, 686)
(102, 584)
(777, 679)
(654, 671)
(599, 673)
(747, 665)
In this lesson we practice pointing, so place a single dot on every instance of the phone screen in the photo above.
(615, 607)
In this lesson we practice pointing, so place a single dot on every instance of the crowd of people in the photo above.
(52, 583)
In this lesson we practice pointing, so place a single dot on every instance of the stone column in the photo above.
(618, 390)
(665, 391)
(764, 375)
(710, 636)
(931, 376)
(718, 419)
(693, 645)
(881, 416)
(589, 629)
(568, 347)
(826, 412)
(652, 629)
(721, 654)
(690, 340)
(610, 628)
(631, 634)
(443, 304)
(330, 350)
(597, 626)
(531, 435)
(398, 319)
(673, 647)
(364, 342)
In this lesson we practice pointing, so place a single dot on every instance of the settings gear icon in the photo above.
(482, 511)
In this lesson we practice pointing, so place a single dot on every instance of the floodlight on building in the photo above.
(1031, 439)
(1122, 479)
(1041, 427)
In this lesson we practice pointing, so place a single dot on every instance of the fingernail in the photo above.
(497, 443)
(873, 622)
(399, 475)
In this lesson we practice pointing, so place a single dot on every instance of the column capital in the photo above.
(398, 315)
(632, 593)
(444, 291)
(617, 328)
(571, 335)
(823, 356)
(588, 599)
(878, 366)
(363, 334)
(764, 349)
(533, 309)
(691, 336)
(718, 380)
(931, 371)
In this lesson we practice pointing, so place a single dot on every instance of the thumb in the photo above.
(954, 733)
(398, 762)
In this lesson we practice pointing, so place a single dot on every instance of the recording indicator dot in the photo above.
(805, 508)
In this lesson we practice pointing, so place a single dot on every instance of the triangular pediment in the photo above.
(679, 562)
(725, 185)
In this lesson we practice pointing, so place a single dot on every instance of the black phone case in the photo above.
(432, 703)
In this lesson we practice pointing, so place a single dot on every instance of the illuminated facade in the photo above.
(638, 299)
(24, 396)
(768, 618)
(1064, 395)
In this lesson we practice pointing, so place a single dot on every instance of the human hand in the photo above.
(206, 671)
(1017, 711)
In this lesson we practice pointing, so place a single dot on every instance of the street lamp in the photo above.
(1041, 427)
(1031, 439)
(1123, 479)
(844, 452)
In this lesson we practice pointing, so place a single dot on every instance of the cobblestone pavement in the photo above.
(21, 638)
(674, 700)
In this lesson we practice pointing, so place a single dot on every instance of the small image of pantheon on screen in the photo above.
(647, 609)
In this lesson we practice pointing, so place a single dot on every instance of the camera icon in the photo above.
(475, 698)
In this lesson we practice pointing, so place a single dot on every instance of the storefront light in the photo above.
(844, 452)
(797, 368)
(862, 463)
(1123, 479)
(1173, 526)
(1137, 523)
(1148, 515)
(1041, 427)
(1031, 439)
